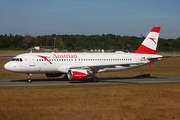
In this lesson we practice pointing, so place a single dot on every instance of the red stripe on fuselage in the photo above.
(45, 58)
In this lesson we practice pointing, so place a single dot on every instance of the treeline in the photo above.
(79, 42)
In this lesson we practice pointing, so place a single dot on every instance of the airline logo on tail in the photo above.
(153, 39)
(149, 45)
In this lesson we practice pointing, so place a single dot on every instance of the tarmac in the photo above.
(62, 82)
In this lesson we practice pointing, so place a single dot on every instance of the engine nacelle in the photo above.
(77, 74)
(53, 74)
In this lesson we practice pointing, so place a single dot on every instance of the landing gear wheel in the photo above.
(29, 80)
(94, 79)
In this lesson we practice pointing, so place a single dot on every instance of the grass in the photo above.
(12, 53)
(108, 102)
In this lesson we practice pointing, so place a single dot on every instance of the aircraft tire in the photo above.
(94, 79)
(29, 80)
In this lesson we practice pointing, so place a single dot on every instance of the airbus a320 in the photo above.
(79, 66)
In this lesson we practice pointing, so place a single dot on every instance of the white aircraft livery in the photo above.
(79, 66)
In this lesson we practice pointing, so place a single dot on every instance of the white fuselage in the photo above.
(62, 62)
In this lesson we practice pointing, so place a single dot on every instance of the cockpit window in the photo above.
(14, 59)
(17, 59)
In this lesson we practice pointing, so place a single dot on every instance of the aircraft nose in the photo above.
(7, 66)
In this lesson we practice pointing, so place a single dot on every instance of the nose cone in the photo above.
(7, 66)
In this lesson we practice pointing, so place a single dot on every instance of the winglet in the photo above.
(149, 44)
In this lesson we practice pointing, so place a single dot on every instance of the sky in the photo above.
(90, 17)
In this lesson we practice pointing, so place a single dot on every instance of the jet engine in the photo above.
(53, 74)
(77, 74)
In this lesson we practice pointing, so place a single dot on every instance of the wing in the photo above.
(97, 68)
(94, 68)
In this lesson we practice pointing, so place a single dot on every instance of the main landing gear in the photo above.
(29, 78)
(94, 79)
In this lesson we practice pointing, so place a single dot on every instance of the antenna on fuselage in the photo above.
(31, 51)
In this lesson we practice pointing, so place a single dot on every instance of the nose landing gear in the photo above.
(29, 78)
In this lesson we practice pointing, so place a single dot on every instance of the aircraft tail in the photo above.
(149, 45)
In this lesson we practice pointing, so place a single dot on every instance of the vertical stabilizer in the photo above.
(149, 45)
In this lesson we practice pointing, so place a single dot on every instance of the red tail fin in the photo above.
(149, 44)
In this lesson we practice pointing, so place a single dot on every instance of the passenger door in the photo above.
(31, 60)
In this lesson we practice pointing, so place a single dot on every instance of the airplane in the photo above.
(79, 66)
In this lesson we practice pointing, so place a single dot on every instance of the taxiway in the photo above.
(120, 80)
